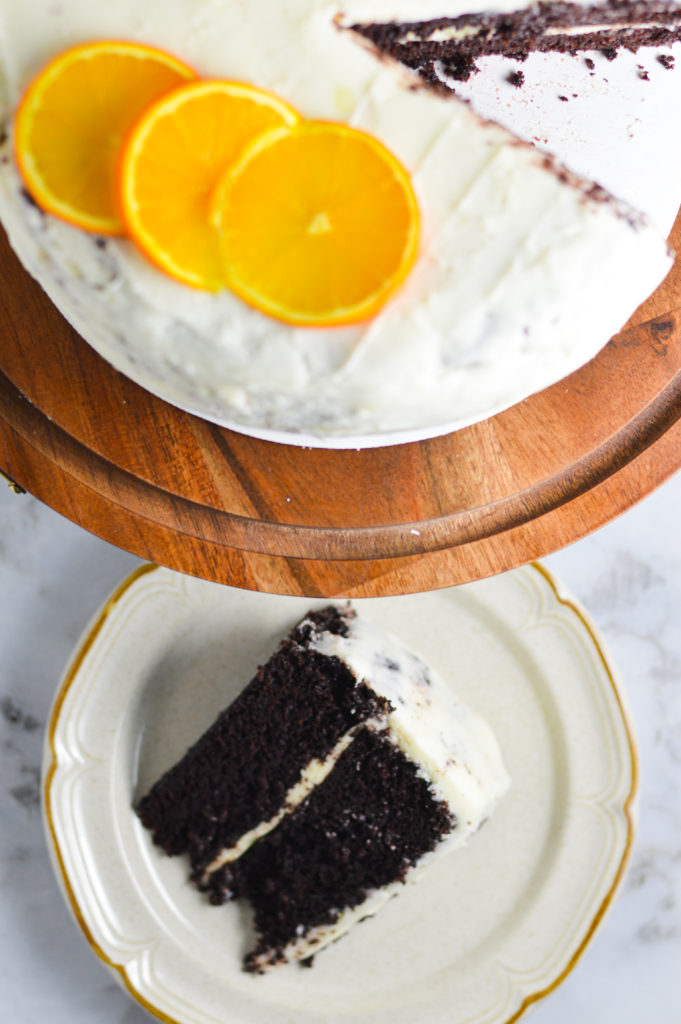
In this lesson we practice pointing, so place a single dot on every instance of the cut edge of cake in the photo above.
(443, 41)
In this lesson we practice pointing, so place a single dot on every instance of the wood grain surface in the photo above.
(207, 501)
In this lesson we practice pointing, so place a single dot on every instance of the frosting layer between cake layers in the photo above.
(358, 762)
(445, 45)
(525, 270)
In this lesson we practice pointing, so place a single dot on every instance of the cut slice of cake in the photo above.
(328, 783)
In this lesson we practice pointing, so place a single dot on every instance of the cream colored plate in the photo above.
(487, 931)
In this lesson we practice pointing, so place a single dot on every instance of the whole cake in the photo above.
(525, 269)
(329, 782)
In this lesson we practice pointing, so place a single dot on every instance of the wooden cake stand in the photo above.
(177, 490)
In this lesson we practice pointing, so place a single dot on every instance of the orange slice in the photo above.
(319, 224)
(72, 122)
(175, 156)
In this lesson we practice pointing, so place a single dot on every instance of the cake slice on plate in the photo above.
(334, 777)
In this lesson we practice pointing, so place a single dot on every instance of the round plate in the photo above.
(488, 931)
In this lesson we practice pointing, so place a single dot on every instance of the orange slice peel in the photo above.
(73, 119)
(319, 224)
(174, 158)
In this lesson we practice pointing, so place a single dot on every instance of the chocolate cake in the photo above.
(341, 768)
(446, 49)
(525, 270)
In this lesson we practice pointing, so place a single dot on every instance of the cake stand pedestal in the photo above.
(207, 501)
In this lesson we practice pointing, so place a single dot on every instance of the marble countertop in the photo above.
(628, 575)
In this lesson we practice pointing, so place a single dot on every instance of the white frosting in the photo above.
(450, 33)
(521, 278)
(579, 30)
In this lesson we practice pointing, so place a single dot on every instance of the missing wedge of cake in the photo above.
(524, 269)
(337, 774)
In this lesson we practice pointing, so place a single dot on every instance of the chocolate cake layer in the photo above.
(238, 774)
(448, 48)
(362, 829)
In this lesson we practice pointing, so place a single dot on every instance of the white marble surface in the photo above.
(628, 575)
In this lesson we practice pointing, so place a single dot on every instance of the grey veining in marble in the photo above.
(54, 575)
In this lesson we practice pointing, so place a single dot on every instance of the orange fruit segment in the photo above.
(319, 224)
(173, 160)
(72, 122)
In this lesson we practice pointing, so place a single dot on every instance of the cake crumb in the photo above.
(563, 99)
(516, 79)
(591, 64)
(644, 76)
(666, 60)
